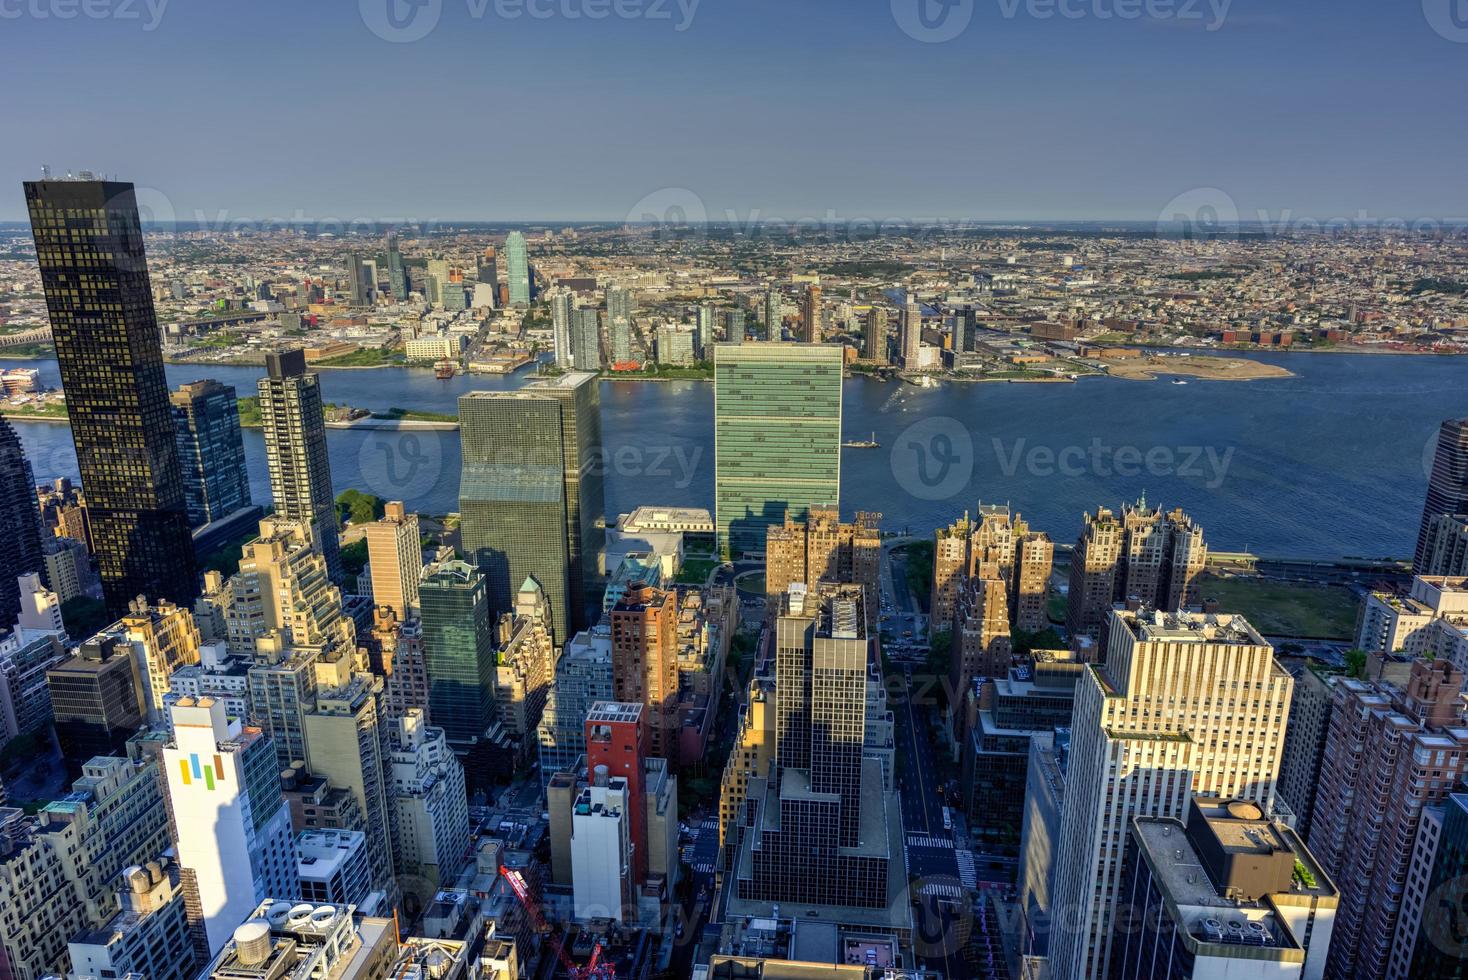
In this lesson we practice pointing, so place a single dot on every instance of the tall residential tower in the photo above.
(292, 416)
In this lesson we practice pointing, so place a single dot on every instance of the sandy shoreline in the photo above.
(1204, 368)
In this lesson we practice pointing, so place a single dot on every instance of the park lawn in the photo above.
(695, 571)
(1285, 608)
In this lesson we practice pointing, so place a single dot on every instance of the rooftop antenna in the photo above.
(45, 172)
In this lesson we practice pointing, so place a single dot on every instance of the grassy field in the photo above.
(695, 571)
(1285, 608)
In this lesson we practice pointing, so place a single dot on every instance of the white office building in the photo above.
(235, 845)
(601, 849)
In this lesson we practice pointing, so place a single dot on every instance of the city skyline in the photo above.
(595, 489)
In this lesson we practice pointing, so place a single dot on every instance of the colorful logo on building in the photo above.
(194, 771)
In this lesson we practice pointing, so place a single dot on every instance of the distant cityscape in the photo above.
(324, 736)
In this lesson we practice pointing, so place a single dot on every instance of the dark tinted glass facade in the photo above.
(458, 650)
(531, 494)
(20, 523)
(211, 452)
(94, 271)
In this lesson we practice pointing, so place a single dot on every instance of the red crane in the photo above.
(594, 970)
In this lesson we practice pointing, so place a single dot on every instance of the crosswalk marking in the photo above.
(916, 840)
(940, 889)
(966, 872)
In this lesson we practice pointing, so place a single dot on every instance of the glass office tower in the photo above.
(777, 437)
(531, 494)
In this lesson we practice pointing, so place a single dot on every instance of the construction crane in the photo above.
(594, 970)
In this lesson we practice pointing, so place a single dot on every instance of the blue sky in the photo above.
(784, 108)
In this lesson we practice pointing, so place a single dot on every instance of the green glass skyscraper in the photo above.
(89, 243)
(777, 437)
(517, 268)
(458, 649)
(531, 497)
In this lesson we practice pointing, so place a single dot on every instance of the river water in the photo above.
(1329, 463)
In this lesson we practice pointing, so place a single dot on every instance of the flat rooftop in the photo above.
(1151, 626)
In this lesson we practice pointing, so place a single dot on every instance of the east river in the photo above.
(1331, 462)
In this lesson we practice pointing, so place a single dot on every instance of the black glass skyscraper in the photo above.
(95, 275)
(531, 494)
(211, 450)
(1447, 489)
(20, 523)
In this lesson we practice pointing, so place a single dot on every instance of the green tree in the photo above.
(82, 616)
(354, 557)
(1025, 641)
(1356, 663)
(359, 507)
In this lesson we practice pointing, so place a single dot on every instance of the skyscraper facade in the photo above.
(397, 271)
(1186, 704)
(774, 315)
(292, 416)
(395, 555)
(819, 828)
(211, 451)
(874, 337)
(823, 549)
(619, 305)
(20, 523)
(1447, 547)
(346, 741)
(911, 336)
(562, 304)
(777, 437)
(1447, 488)
(963, 330)
(531, 494)
(734, 326)
(458, 649)
(1390, 753)
(645, 662)
(517, 268)
(357, 287)
(1142, 555)
(235, 845)
(586, 339)
(810, 316)
(94, 271)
